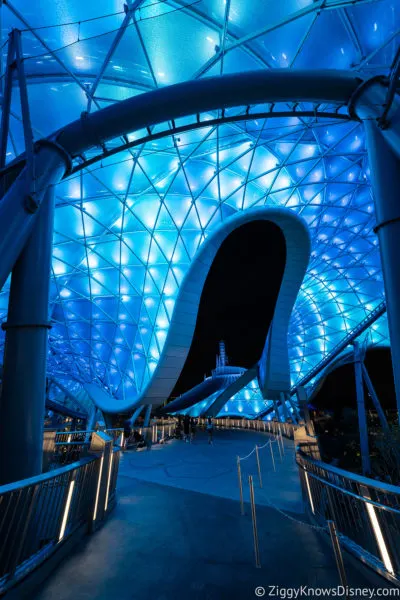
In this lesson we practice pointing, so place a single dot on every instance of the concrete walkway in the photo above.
(177, 531)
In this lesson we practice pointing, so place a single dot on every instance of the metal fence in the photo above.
(72, 436)
(273, 427)
(157, 432)
(71, 446)
(85, 435)
(66, 453)
(40, 513)
(366, 512)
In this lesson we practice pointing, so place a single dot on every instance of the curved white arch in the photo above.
(183, 322)
(177, 345)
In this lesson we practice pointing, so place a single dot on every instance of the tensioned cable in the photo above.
(99, 35)
(70, 23)
(90, 19)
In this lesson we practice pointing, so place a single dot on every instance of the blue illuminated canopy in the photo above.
(127, 227)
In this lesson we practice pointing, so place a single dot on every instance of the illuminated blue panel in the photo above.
(127, 229)
(248, 402)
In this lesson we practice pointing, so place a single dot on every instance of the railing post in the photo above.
(254, 520)
(272, 455)
(338, 554)
(277, 439)
(101, 445)
(258, 466)
(240, 485)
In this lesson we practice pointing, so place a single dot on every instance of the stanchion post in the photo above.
(272, 454)
(240, 486)
(258, 466)
(254, 520)
(338, 554)
(279, 446)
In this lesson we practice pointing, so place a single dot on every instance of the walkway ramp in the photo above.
(177, 531)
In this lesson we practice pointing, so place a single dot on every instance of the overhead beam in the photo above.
(195, 97)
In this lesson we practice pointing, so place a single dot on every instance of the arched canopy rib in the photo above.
(191, 97)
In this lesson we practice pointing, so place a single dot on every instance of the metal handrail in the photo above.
(274, 427)
(366, 512)
(349, 493)
(37, 479)
(360, 479)
(39, 513)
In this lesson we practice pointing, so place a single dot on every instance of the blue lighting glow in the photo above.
(128, 228)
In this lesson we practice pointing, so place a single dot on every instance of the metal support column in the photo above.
(135, 415)
(285, 411)
(362, 415)
(147, 416)
(276, 410)
(385, 177)
(375, 398)
(302, 400)
(25, 353)
(295, 414)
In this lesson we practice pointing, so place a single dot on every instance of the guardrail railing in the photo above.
(40, 513)
(72, 436)
(273, 427)
(66, 453)
(84, 435)
(366, 512)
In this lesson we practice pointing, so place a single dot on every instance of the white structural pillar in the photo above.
(22, 405)
(385, 177)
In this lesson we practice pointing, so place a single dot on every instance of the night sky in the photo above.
(339, 389)
(238, 301)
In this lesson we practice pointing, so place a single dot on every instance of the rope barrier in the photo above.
(248, 456)
(283, 513)
(259, 447)
(265, 445)
(269, 502)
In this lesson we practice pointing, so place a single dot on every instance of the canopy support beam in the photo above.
(385, 178)
(23, 397)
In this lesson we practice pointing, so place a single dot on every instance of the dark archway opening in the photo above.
(238, 301)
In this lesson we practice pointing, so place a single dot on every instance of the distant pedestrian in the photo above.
(127, 429)
(192, 429)
(210, 429)
(186, 428)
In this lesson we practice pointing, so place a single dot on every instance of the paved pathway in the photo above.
(177, 531)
